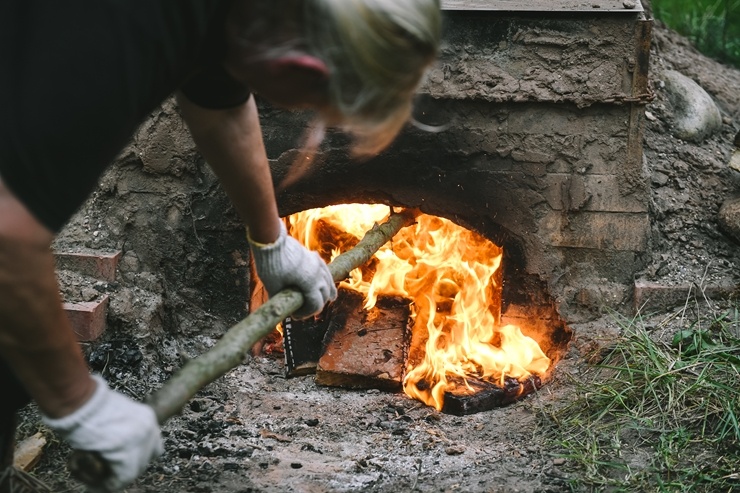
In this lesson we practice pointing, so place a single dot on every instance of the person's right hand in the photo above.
(124, 432)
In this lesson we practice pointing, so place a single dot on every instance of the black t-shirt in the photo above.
(77, 77)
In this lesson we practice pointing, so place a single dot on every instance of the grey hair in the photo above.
(377, 52)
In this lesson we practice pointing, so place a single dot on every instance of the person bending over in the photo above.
(77, 79)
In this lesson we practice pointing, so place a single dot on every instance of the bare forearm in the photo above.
(36, 339)
(231, 142)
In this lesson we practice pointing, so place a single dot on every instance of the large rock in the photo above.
(695, 114)
(729, 218)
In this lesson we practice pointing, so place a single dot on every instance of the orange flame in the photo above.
(452, 275)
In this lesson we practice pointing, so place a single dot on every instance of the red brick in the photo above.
(88, 318)
(100, 265)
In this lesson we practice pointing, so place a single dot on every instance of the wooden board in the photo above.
(303, 342)
(365, 349)
(545, 5)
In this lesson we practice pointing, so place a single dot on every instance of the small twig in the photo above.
(131, 391)
(418, 473)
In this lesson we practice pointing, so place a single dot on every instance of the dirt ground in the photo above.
(257, 431)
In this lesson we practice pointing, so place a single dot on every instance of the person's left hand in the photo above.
(125, 433)
(287, 263)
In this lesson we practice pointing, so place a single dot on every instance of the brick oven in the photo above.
(539, 109)
(542, 107)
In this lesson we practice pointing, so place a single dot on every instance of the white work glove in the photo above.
(124, 432)
(287, 263)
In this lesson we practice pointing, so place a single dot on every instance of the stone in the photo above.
(695, 115)
(659, 179)
(728, 218)
(735, 159)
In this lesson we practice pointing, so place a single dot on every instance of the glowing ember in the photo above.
(452, 275)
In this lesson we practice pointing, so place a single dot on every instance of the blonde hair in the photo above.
(377, 52)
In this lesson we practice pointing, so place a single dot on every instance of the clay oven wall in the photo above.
(542, 153)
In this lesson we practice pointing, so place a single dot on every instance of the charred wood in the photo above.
(303, 341)
(480, 395)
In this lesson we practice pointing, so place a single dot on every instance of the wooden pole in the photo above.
(230, 351)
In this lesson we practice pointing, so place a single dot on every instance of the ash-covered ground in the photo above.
(257, 431)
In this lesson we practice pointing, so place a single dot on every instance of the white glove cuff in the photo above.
(269, 246)
(270, 258)
(69, 422)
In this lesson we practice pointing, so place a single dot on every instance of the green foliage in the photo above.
(713, 26)
(657, 413)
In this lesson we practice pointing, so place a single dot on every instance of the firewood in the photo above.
(365, 348)
(484, 396)
(303, 341)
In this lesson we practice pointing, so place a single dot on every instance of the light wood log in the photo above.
(365, 349)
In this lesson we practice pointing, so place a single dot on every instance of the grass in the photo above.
(713, 26)
(660, 412)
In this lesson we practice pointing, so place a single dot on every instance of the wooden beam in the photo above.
(593, 6)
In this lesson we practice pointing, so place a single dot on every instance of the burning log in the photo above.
(365, 348)
(230, 350)
(480, 395)
(455, 281)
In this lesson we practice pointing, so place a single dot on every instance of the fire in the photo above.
(452, 275)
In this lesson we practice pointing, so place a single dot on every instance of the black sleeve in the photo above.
(213, 88)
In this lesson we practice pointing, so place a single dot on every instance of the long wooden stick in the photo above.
(230, 351)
